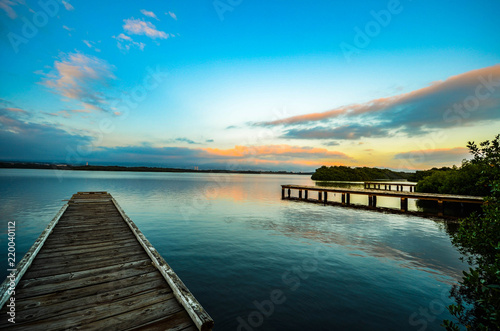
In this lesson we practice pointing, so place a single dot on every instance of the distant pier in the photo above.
(390, 186)
(93, 269)
(322, 196)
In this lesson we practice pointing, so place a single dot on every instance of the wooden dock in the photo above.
(389, 186)
(374, 193)
(93, 269)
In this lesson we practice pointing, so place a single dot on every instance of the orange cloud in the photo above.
(459, 100)
(278, 151)
(82, 78)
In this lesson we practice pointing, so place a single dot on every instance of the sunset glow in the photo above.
(251, 85)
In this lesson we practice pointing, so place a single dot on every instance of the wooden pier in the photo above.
(373, 194)
(93, 269)
(389, 186)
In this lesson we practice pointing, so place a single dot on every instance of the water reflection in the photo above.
(365, 233)
(231, 238)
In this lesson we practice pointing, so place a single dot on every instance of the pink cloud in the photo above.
(171, 14)
(82, 78)
(7, 7)
(140, 27)
(149, 14)
(125, 42)
(454, 85)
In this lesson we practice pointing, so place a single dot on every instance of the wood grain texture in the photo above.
(90, 272)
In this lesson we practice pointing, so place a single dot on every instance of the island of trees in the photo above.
(342, 173)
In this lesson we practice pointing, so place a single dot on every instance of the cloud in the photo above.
(7, 7)
(140, 27)
(91, 44)
(436, 157)
(149, 14)
(460, 100)
(61, 113)
(331, 143)
(348, 132)
(68, 29)
(81, 78)
(209, 141)
(186, 140)
(26, 141)
(240, 157)
(9, 110)
(273, 152)
(67, 5)
(171, 14)
(16, 110)
(125, 42)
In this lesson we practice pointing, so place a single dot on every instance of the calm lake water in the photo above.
(256, 262)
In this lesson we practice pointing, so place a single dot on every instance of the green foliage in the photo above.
(474, 177)
(477, 296)
(341, 173)
(462, 181)
(421, 174)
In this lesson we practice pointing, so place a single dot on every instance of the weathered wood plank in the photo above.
(200, 317)
(96, 271)
(115, 245)
(87, 297)
(67, 281)
(55, 258)
(142, 316)
(89, 247)
(181, 320)
(28, 258)
(42, 271)
(84, 317)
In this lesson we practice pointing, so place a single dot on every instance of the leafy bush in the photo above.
(462, 181)
(477, 296)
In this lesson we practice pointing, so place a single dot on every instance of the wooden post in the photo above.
(319, 196)
(390, 188)
(385, 187)
(348, 199)
(326, 198)
(343, 199)
(404, 204)
(440, 208)
(374, 201)
(300, 194)
(370, 200)
(411, 188)
(282, 193)
(305, 194)
(288, 192)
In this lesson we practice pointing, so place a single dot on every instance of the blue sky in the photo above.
(248, 84)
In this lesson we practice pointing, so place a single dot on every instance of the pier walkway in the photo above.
(303, 194)
(389, 185)
(93, 269)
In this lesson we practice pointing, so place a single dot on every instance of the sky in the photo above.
(238, 84)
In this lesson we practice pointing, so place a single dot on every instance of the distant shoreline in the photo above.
(46, 165)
